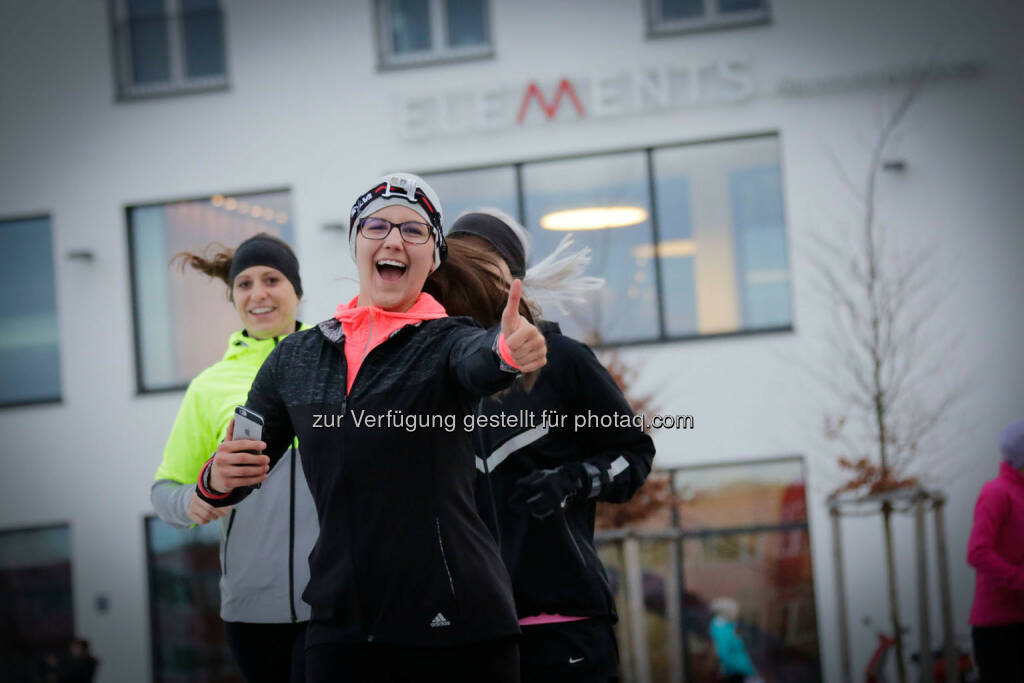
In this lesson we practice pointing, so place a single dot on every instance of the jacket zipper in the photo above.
(227, 537)
(291, 537)
(490, 486)
(576, 545)
(291, 526)
(444, 557)
(369, 338)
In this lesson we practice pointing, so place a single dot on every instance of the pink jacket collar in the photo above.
(425, 308)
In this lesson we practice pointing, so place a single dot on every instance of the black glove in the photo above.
(544, 491)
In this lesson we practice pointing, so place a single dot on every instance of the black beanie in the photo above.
(266, 250)
(498, 235)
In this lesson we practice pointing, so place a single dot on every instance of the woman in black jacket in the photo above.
(538, 481)
(406, 582)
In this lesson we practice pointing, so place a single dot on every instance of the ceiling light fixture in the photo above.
(594, 218)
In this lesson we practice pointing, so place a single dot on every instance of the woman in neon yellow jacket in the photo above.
(265, 539)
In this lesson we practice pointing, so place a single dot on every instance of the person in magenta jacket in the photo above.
(996, 551)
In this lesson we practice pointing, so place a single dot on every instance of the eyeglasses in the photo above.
(413, 232)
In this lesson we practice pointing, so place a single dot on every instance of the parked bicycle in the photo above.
(876, 668)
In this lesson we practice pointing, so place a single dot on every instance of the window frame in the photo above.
(388, 61)
(178, 83)
(127, 208)
(59, 398)
(663, 336)
(712, 20)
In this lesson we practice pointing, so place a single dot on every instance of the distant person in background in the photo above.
(734, 665)
(266, 539)
(538, 485)
(996, 551)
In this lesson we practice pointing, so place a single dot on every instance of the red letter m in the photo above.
(564, 87)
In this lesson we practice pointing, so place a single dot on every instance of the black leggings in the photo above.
(494, 661)
(268, 653)
(998, 653)
(582, 651)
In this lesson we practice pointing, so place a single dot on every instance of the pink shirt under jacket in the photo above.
(996, 550)
(365, 327)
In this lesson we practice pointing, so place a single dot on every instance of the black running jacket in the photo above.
(403, 556)
(554, 564)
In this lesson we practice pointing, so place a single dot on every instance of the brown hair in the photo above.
(465, 285)
(214, 261)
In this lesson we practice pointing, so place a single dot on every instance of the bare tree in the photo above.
(884, 359)
(656, 493)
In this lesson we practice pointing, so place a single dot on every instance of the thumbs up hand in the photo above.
(525, 342)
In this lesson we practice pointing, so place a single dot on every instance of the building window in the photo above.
(690, 239)
(413, 32)
(182, 319)
(726, 537)
(186, 631)
(29, 342)
(168, 46)
(36, 614)
(665, 17)
(494, 188)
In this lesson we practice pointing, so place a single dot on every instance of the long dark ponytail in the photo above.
(466, 285)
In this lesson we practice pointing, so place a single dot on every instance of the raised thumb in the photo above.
(510, 318)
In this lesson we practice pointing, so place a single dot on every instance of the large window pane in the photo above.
(761, 258)
(183, 319)
(774, 587)
(724, 258)
(36, 613)
(626, 309)
(410, 26)
(469, 190)
(29, 343)
(466, 22)
(203, 29)
(738, 496)
(150, 42)
(721, 251)
(184, 601)
(742, 534)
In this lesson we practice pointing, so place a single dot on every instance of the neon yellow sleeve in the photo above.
(192, 441)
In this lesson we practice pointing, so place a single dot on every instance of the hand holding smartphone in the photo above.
(248, 425)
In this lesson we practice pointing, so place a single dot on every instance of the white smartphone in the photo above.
(248, 425)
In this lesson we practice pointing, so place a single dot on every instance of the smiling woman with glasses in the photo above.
(406, 582)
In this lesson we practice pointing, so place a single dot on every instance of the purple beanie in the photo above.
(1011, 443)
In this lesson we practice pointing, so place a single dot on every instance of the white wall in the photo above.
(303, 99)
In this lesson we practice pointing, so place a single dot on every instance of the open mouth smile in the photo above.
(391, 270)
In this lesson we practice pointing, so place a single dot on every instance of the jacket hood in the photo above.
(1010, 474)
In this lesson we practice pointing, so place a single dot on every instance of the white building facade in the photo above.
(534, 107)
